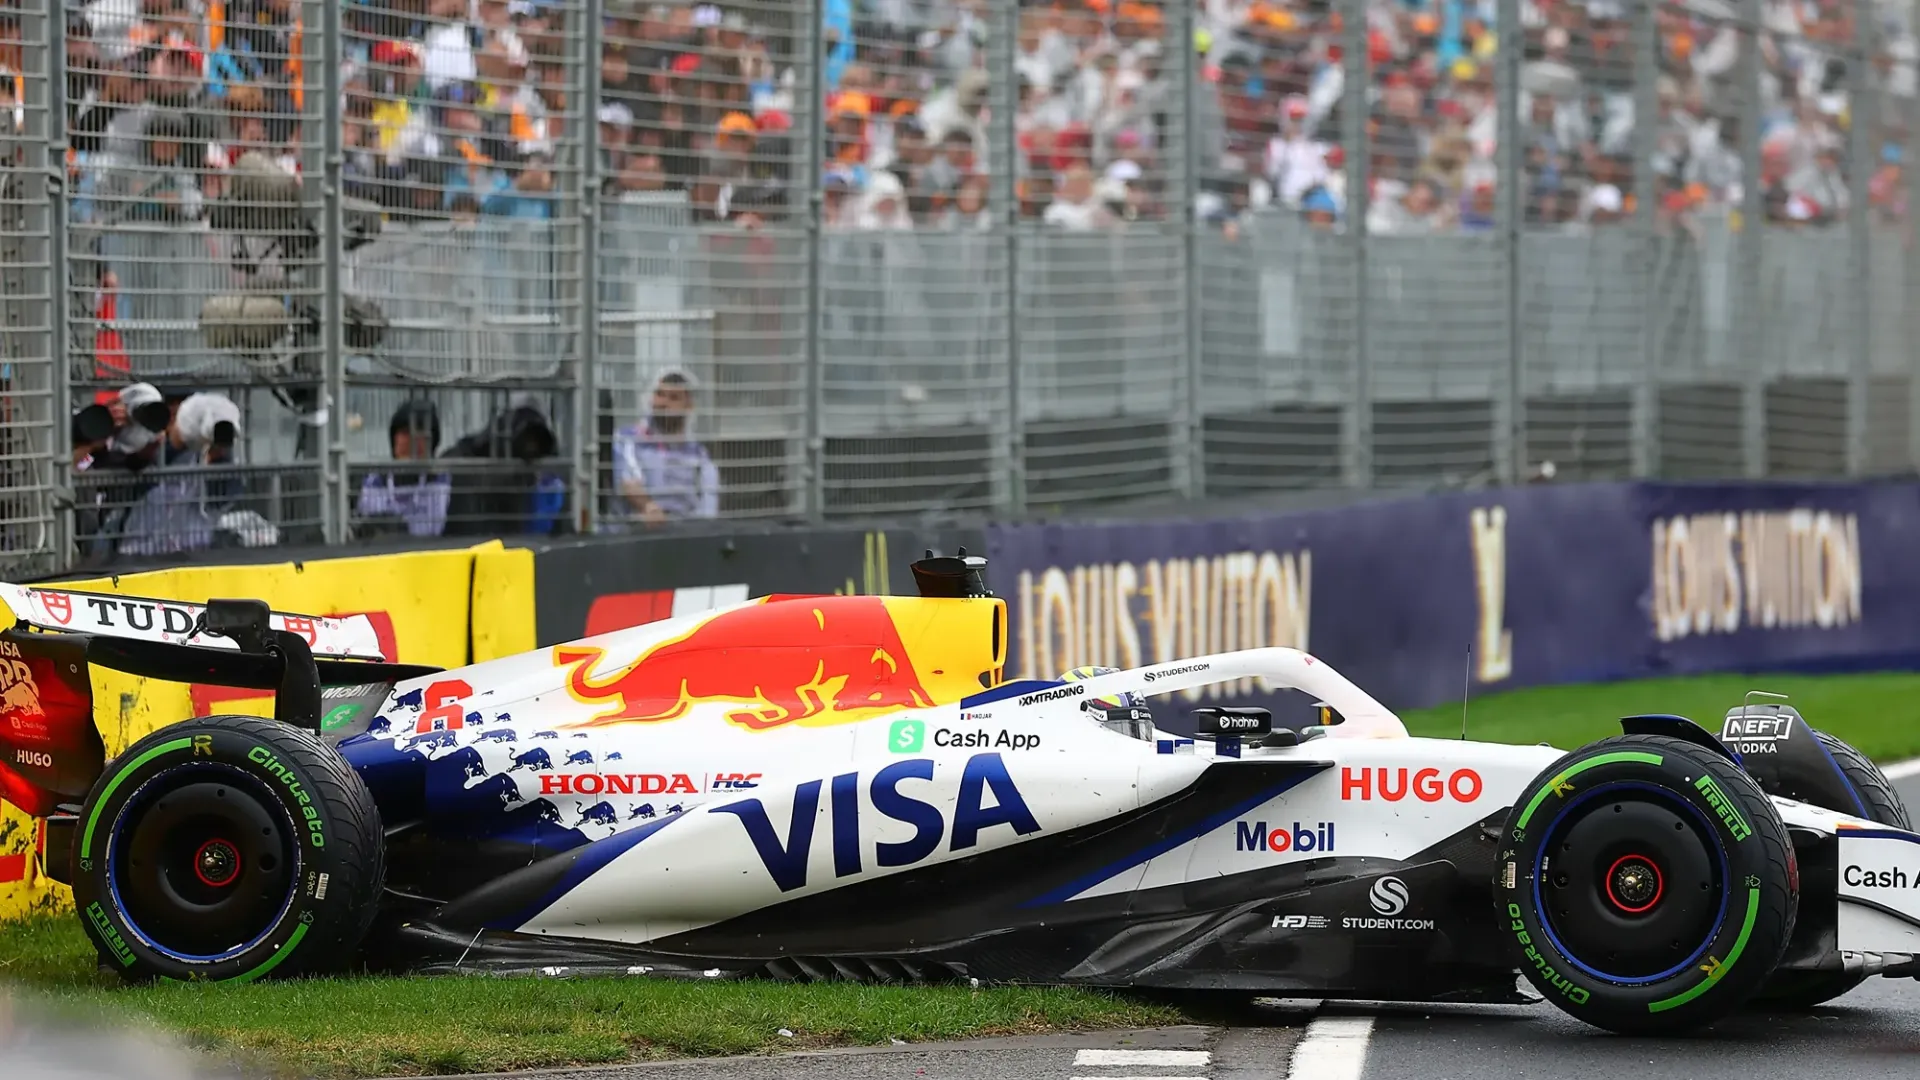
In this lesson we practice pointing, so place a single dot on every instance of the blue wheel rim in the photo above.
(1546, 846)
(116, 840)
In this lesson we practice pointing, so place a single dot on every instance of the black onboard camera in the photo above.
(952, 577)
(1217, 721)
(249, 624)
(957, 577)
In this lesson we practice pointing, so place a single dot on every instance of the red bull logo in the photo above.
(827, 659)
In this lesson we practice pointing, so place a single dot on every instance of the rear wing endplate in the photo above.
(175, 622)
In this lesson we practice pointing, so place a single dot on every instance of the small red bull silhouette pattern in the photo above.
(830, 659)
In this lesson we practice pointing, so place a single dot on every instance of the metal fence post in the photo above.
(1358, 449)
(60, 312)
(59, 278)
(1645, 422)
(1910, 159)
(586, 388)
(1190, 452)
(1863, 130)
(813, 486)
(334, 513)
(1006, 193)
(1510, 447)
(1746, 298)
(33, 312)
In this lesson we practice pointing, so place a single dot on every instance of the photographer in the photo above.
(517, 497)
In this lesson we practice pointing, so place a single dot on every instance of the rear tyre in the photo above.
(228, 848)
(1647, 884)
(1883, 803)
(1797, 991)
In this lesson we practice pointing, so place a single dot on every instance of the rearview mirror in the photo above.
(1329, 716)
(1220, 720)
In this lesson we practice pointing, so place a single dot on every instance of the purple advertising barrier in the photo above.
(1804, 577)
(1417, 599)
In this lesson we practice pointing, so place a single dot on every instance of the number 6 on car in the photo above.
(848, 787)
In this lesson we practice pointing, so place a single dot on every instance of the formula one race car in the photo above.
(845, 787)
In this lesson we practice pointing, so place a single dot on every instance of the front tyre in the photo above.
(227, 848)
(1647, 883)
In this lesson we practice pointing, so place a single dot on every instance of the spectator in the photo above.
(143, 416)
(1887, 190)
(960, 107)
(171, 191)
(941, 179)
(522, 499)
(173, 506)
(907, 154)
(91, 430)
(418, 505)
(1414, 212)
(885, 205)
(838, 201)
(1296, 162)
(528, 193)
(969, 210)
(1318, 208)
(1224, 203)
(661, 471)
(728, 171)
(204, 429)
(640, 172)
(1077, 208)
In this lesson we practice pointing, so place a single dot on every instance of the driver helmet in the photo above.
(1125, 713)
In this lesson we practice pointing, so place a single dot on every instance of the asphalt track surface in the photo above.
(1870, 1033)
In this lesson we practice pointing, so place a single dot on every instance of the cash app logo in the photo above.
(907, 736)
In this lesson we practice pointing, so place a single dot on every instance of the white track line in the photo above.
(1334, 1048)
(1900, 770)
(1176, 1059)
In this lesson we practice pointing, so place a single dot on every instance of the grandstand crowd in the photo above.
(461, 107)
(455, 110)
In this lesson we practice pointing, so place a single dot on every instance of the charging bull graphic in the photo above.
(536, 758)
(837, 659)
(433, 739)
(601, 813)
(21, 697)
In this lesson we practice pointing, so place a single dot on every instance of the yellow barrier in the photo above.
(446, 608)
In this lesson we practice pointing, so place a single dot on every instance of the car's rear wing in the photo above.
(50, 749)
(176, 622)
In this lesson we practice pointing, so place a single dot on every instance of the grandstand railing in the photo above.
(558, 222)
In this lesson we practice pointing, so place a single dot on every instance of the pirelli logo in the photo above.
(1736, 825)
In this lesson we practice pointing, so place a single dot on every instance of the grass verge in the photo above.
(415, 1026)
(400, 1027)
(1875, 713)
